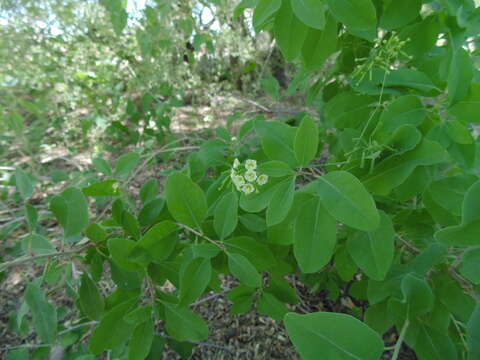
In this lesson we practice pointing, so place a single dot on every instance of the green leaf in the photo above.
(21, 354)
(125, 164)
(399, 13)
(206, 250)
(449, 192)
(149, 191)
(306, 141)
(373, 251)
(139, 315)
(464, 234)
(277, 140)
(310, 12)
(102, 188)
(377, 317)
(269, 305)
(23, 183)
(347, 200)
(156, 351)
(242, 298)
(184, 325)
(344, 264)
(102, 166)
(43, 313)
(130, 224)
(473, 334)
(255, 251)
(404, 110)
(256, 202)
(417, 294)
(409, 78)
(340, 336)
(394, 170)
(243, 270)
(196, 165)
(460, 235)
(32, 217)
(271, 87)
(253, 222)
(185, 200)
(102, 338)
(160, 240)
(314, 236)
(458, 132)
(422, 36)
(150, 212)
(141, 342)
(467, 110)
(359, 16)
(470, 265)
(225, 219)
(71, 210)
(91, 301)
(319, 44)
(96, 233)
(281, 202)
(459, 76)
(120, 250)
(194, 280)
(471, 204)
(118, 15)
(263, 11)
(404, 139)
(427, 259)
(36, 244)
(453, 296)
(275, 168)
(348, 110)
(433, 344)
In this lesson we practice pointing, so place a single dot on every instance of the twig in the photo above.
(408, 245)
(399, 342)
(264, 65)
(90, 323)
(260, 106)
(208, 298)
(25, 346)
(198, 233)
(23, 260)
(164, 149)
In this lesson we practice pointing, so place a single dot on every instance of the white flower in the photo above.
(262, 179)
(251, 164)
(250, 176)
(248, 189)
(238, 180)
(236, 163)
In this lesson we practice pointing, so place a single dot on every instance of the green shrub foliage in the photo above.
(379, 189)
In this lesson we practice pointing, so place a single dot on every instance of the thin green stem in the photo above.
(23, 260)
(202, 235)
(399, 342)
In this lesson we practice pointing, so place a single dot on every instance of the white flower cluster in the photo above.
(246, 180)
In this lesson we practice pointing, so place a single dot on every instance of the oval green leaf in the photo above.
(225, 218)
(340, 336)
(314, 236)
(347, 200)
(185, 200)
(243, 270)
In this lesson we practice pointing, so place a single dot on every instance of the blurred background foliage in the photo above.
(69, 68)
